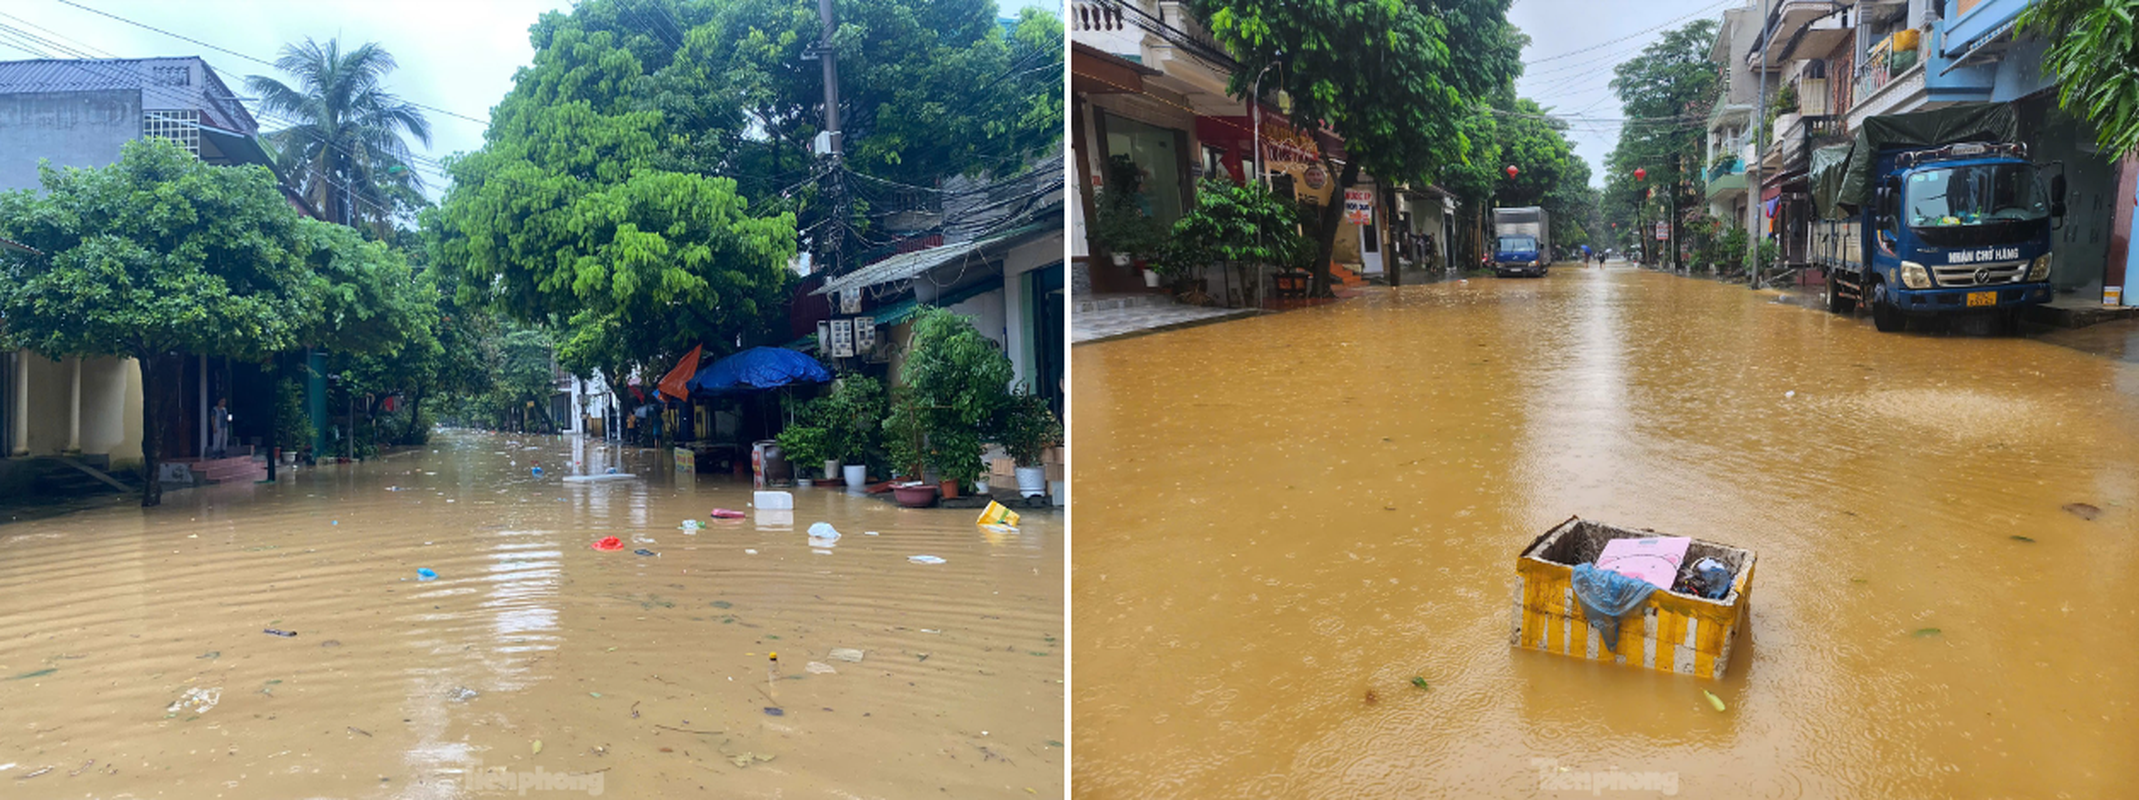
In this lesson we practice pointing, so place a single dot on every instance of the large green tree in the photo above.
(643, 183)
(152, 256)
(2094, 53)
(346, 148)
(1666, 93)
(1395, 78)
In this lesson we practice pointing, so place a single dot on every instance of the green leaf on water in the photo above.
(38, 674)
(1924, 632)
(1713, 699)
(723, 604)
(2018, 538)
(770, 636)
(1420, 681)
(275, 681)
(595, 695)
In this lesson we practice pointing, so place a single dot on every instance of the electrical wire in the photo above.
(244, 56)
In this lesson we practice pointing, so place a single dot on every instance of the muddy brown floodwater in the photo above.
(133, 662)
(1279, 515)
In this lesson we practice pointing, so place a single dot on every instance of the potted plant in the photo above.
(1028, 429)
(1121, 222)
(854, 417)
(955, 381)
(905, 442)
(804, 444)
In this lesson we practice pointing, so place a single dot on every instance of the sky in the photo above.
(1579, 85)
(460, 56)
(456, 55)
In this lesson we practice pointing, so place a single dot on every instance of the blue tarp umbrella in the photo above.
(757, 369)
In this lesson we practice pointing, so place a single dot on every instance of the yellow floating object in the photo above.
(997, 514)
(1668, 632)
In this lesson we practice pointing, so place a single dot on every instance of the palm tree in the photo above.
(345, 146)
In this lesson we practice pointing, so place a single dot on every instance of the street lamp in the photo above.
(1255, 98)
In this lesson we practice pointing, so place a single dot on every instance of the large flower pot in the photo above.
(1032, 481)
(857, 475)
(831, 468)
(950, 487)
(921, 496)
(1151, 279)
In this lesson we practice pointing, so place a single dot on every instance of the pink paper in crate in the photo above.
(1655, 560)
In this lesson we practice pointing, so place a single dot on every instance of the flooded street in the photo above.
(1281, 521)
(133, 661)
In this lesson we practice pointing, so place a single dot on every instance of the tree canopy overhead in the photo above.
(1396, 78)
(2094, 52)
(648, 178)
(152, 256)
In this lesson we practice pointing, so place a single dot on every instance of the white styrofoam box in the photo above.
(773, 501)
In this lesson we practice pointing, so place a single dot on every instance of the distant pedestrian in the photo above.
(219, 418)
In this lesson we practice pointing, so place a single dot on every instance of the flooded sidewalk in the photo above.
(139, 654)
(1296, 515)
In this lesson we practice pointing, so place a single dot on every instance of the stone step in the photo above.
(1112, 302)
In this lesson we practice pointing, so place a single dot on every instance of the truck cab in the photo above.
(1515, 255)
(1963, 228)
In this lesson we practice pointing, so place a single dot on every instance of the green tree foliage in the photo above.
(1395, 78)
(2094, 54)
(954, 380)
(1230, 223)
(1666, 92)
(152, 256)
(347, 150)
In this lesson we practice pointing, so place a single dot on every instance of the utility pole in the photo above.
(833, 147)
(1760, 153)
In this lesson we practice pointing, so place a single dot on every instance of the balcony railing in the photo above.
(1724, 168)
(1090, 16)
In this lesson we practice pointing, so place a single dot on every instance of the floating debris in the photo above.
(1713, 699)
(847, 654)
(2083, 510)
(196, 700)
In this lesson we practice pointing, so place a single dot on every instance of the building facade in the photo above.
(79, 113)
(1831, 66)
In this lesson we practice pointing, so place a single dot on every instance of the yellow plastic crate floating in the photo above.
(1670, 631)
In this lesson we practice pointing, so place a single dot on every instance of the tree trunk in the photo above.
(274, 413)
(1332, 216)
(154, 379)
(1391, 264)
(415, 416)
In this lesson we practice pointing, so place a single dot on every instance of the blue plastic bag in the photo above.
(1608, 597)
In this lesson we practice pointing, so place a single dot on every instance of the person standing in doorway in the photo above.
(219, 420)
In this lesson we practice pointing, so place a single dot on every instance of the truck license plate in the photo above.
(1982, 299)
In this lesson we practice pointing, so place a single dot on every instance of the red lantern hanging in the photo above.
(1512, 170)
(1640, 173)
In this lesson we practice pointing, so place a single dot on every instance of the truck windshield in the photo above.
(1981, 194)
(1517, 244)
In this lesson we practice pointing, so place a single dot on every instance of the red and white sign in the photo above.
(1663, 231)
(1358, 207)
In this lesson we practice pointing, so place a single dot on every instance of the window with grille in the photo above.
(183, 127)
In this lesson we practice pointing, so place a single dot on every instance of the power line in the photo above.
(221, 49)
(163, 93)
(1607, 43)
(88, 53)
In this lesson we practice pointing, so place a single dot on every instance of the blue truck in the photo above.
(1522, 243)
(1936, 213)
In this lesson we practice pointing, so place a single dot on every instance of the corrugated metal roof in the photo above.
(159, 80)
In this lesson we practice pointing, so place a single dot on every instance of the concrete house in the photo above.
(79, 113)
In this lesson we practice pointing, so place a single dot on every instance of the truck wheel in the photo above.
(1836, 302)
(1885, 315)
